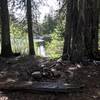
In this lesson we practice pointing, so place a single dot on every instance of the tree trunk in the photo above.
(82, 30)
(77, 50)
(30, 34)
(73, 45)
(68, 31)
(91, 28)
(95, 26)
(6, 50)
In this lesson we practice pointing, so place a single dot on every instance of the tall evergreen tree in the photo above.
(5, 31)
(30, 31)
(31, 9)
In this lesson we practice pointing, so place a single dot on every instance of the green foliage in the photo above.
(48, 25)
(55, 28)
(19, 39)
(55, 47)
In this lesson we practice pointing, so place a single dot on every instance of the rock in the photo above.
(55, 73)
(78, 66)
(96, 62)
(46, 73)
(10, 80)
(72, 68)
(45, 69)
(53, 69)
(37, 75)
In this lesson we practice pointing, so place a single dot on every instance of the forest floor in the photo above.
(29, 68)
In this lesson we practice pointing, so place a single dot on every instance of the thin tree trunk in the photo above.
(30, 34)
(5, 30)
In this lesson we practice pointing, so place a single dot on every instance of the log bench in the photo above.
(41, 87)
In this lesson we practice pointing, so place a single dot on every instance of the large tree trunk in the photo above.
(5, 31)
(68, 31)
(73, 45)
(88, 28)
(91, 28)
(84, 22)
(95, 26)
(77, 51)
(30, 34)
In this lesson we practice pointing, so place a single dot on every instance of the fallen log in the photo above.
(42, 87)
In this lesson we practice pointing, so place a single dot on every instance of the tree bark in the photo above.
(77, 46)
(91, 28)
(30, 34)
(95, 26)
(68, 31)
(6, 50)
(83, 21)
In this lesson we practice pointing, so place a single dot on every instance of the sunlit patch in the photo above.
(78, 66)
(66, 84)
(3, 97)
